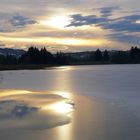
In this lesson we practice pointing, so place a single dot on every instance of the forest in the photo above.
(35, 56)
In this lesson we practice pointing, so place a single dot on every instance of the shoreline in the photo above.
(39, 67)
(23, 67)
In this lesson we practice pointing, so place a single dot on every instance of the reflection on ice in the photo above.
(62, 107)
(65, 68)
(33, 110)
(22, 110)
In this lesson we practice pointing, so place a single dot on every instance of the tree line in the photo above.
(131, 56)
(35, 56)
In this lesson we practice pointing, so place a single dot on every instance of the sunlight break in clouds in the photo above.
(58, 41)
(59, 22)
(77, 25)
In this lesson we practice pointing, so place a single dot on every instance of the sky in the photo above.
(70, 25)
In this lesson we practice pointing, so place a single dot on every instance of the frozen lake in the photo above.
(107, 99)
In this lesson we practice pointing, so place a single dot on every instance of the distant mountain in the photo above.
(14, 52)
(79, 55)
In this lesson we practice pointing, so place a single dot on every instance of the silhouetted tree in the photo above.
(119, 57)
(46, 57)
(106, 56)
(98, 55)
(61, 58)
(135, 54)
(42, 56)
(36, 56)
(8, 60)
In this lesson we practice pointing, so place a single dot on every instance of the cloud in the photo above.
(17, 19)
(2, 44)
(80, 20)
(125, 23)
(11, 22)
(125, 29)
(126, 38)
(21, 21)
(107, 11)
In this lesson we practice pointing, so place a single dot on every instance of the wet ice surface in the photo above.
(35, 116)
(106, 97)
(28, 110)
(117, 84)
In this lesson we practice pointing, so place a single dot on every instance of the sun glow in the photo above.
(57, 41)
(138, 21)
(60, 107)
(57, 22)
(5, 93)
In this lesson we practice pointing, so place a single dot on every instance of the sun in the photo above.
(57, 21)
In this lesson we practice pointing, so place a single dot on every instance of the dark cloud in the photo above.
(80, 20)
(21, 21)
(124, 29)
(107, 11)
(10, 22)
(132, 39)
(125, 23)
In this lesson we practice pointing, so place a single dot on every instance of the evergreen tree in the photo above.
(106, 56)
(135, 55)
(98, 55)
